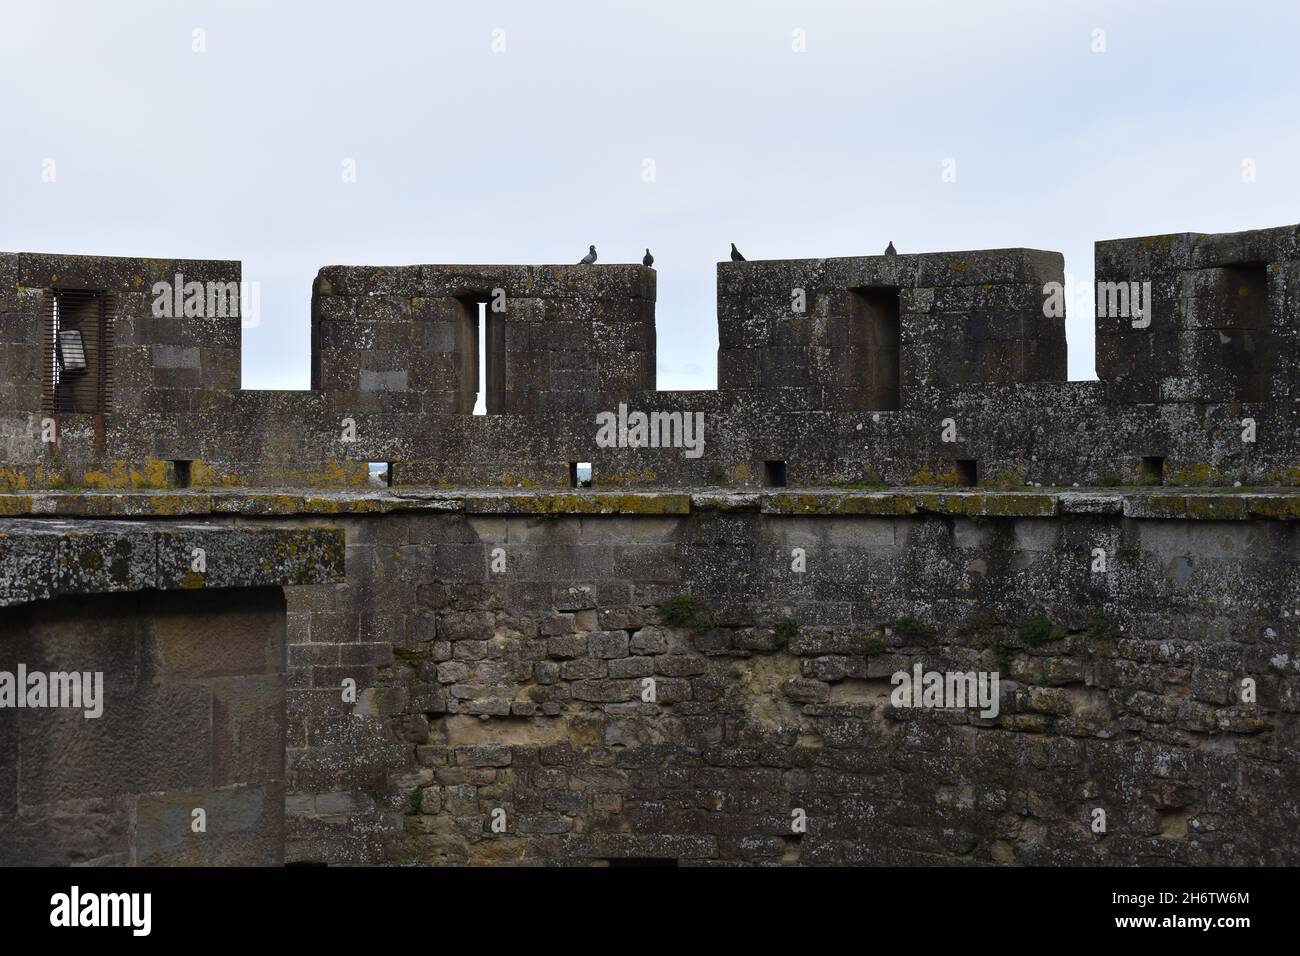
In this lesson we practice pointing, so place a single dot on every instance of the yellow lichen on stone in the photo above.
(335, 474)
(1197, 474)
(1217, 506)
(203, 475)
(48, 479)
(1275, 506)
(645, 476)
(15, 504)
(924, 477)
(12, 480)
(120, 475)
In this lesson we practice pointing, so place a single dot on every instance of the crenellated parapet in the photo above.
(938, 368)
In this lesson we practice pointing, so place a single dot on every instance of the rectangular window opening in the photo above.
(379, 474)
(873, 359)
(580, 474)
(1152, 470)
(480, 404)
(480, 346)
(968, 472)
(775, 473)
(78, 342)
(178, 473)
(1249, 352)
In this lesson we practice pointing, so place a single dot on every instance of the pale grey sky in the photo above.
(464, 154)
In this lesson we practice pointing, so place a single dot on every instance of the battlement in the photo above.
(861, 332)
(558, 338)
(1220, 320)
(935, 368)
(474, 666)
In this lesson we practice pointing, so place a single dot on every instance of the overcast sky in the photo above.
(465, 154)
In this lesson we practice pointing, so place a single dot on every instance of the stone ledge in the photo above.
(580, 502)
(46, 558)
(1161, 502)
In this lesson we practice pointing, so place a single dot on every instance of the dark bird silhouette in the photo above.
(649, 260)
(735, 254)
(890, 250)
(589, 258)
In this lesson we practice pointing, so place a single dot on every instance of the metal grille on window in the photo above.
(78, 336)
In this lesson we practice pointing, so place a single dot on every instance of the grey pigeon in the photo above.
(890, 250)
(649, 260)
(735, 254)
(589, 258)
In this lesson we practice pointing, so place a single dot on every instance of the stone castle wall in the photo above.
(186, 679)
(1122, 553)
(520, 691)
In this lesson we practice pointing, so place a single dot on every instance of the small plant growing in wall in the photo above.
(1007, 480)
(409, 656)
(875, 647)
(417, 800)
(977, 625)
(1100, 627)
(685, 610)
(909, 628)
(786, 630)
(1038, 631)
(678, 611)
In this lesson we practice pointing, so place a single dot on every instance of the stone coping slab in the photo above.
(44, 558)
(1155, 502)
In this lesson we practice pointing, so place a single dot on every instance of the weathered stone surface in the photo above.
(182, 704)
(665, 665)
(694, 739)
(51, 557)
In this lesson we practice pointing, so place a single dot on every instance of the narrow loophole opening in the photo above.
(1152, 470)
(580, 474)
(178, 473)
(480, 404)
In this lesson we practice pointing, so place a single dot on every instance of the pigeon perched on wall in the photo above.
(890, 250)
(649, 260)
(735, 254)
(589, 258)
